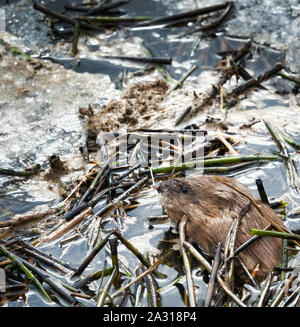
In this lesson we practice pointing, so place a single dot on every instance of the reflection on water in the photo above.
(39, 110)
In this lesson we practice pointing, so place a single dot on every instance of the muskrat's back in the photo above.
(211, 206)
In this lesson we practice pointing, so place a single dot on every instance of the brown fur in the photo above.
(211, 206)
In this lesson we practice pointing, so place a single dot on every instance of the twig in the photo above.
(148, 60)
(212, 93)
(192, 13)
(187, 266)
(113, 242)
(209, 163)
(91, 256)
(290, 78)
(136, 252)
(213, 275)
(94, 183)
(113, 204)
(102, 8)
(255, 81)
(290, 141)
(270, 233)
(102, 294)
(291, 171)
(26, 271)
(24, 173)
(67, 226)
(64, 18)
(214, 24)
(265, 290)
(207, 266)
(261, 191)
(230, 148)
(181, 81)
(76, 35)
(149, 270)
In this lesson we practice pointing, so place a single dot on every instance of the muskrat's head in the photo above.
(174, 196)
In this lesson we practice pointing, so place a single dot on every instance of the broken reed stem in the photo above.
(109, 19)
(270, 233)
(208, 267)
(102, 294)
(91, 203)
(261, 191)
(64, 18)
(57, 285)
(76, 35)
(147, 60)
(93, 184)
(91, 256)
(282, 291)
(45, 260)
(124, 195)
(149, 270)
(290, 141)
(250, 241)
(290, 78)
(230, 243)
(151, 287)
(26, 271)
(17, 221)
(68, 225)
(291, 171)
(181, 81)
(137, 253)
(285, 257)
(104, 7)
(230, 148)
(94, 276)
(65, 264)
(113, 242)
(216, 23)
(213, 275)
(22, 220)
(209, 162)
(265, 289)
(212, 93)
(255, 81)
(187, 265)
(192, 13)
(21, 173)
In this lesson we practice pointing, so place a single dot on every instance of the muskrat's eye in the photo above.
(184, 189)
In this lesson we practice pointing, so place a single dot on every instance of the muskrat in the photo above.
(210, 205)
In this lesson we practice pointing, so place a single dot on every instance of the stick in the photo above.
(149, 270)
(181, 81)
(67, 226)
(255, 81)
(187, 266)
(209, 163)
(207, 266)
(271, 233)
(213, 275)
(151, 60)
(64, 18)
(106, 7)
(212, 93)
(191, 13)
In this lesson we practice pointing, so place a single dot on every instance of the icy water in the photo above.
(39, 109)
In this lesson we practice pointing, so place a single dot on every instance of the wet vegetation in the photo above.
(120, 248)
